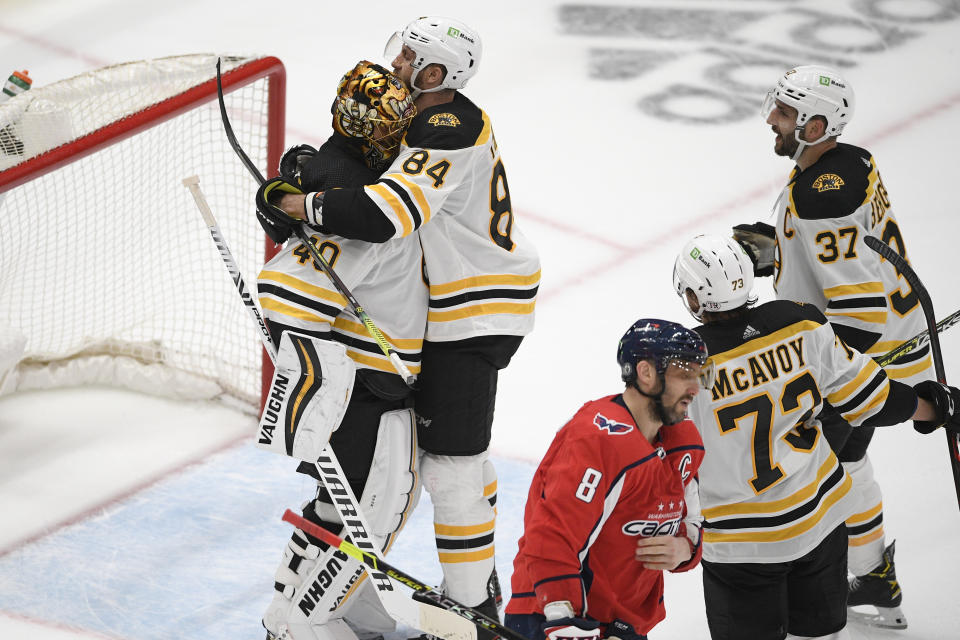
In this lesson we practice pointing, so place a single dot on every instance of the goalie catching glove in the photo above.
(275, 221)
(759, 241)
(946, 402)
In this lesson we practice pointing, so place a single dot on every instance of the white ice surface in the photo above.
(108, 530)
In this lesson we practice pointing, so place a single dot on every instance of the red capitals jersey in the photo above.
(600, 486)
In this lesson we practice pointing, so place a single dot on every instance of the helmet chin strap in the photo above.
(415, 91)
(803, 144)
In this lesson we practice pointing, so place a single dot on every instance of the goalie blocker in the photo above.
(311, 395)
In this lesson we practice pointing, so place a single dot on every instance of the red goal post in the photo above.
(108, 274)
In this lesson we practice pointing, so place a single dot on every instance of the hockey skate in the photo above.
(878, 588)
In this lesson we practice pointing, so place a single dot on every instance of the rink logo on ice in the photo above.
(611, 426)
(828, 182)
(712, 64)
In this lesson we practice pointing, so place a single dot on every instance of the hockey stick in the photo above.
(904, 269)
(422, 616)
(422, 590)
(917, 341)
(355, 307)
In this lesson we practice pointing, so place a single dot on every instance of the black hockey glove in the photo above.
(946, 401)
(758, 240)
(273, 219)
(293, 160)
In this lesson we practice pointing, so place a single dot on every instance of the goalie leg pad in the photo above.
(865, 536)
(464, 521)
(311, 388)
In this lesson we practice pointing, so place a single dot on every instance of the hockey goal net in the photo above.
(108, 274)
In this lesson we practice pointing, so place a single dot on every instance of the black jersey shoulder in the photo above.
(336, 164)
(757, 323)
(453, 125)
(834, 186)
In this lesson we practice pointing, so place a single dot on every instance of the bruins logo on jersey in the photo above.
(444, 120)
(827, 182)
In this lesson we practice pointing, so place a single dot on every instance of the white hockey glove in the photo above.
(759, 240)
(561, 624)
(311, 387)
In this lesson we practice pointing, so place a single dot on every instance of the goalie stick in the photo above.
(421, 589)
(355, 307)
(419, 615)
(904, 269)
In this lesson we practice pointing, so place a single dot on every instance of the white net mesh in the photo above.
(108, 255)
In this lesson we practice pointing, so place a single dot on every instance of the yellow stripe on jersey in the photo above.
(801, 495)
(876, 403)
(853, 289)
(378, 362)
(490, 489)
(883, 346)
(865, 516)
(867, 539)
(408, 344)
(871, 183)
(417, 192)
(399, 209)
(508, 280)
(481, 310)
(303, 286)
(905, 372)
(876, 317)
(761, 343)
(463, 530)
(787, 533)
(472, 556)
(270, 304)
(485, 132)
(847, 390)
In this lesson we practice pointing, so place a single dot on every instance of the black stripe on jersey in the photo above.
(412, 208)
(765, 319)
(856, 303)
(860, 529)
(471, 543)
(524, 594)
(485, 294)
(370, 347)
(286, 294)
(765, 522)
(864, 393)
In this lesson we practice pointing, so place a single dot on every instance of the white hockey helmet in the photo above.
(813, 90)
(717, 271)
(444, 41)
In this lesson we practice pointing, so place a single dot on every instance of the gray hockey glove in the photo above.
(274, 220)
(293, 161)
(946, 401)
(758, 240)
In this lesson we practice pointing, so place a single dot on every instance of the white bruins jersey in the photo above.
(771, 487)
(384, 278)
(449, 182)
(823, 215)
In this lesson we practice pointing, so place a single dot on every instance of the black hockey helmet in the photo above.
(661, 341)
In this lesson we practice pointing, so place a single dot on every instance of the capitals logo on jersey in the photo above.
(611, 426)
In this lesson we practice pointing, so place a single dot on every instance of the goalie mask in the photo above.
(374, 108)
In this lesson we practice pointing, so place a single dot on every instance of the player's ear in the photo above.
(646, 372)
